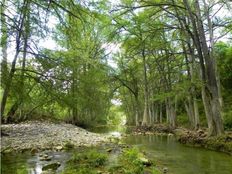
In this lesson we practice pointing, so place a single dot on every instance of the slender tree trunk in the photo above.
(161, 113)
(145, 121)
(4, 69)
(167, 111)
(190, 111)
(13, 64)
(196, 114)
(173, 116)
(191, 104)
(137, 110)
(156, 112)
(26, 37)
(8, 84)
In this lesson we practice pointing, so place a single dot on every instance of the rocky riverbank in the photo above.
(199, 138)
(37, 136)
(155, 129)
(192, 138)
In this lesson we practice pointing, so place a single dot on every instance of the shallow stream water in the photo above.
(180, 159)
(165, 150)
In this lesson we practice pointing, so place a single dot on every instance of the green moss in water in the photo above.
(85, 162)
(130, 161)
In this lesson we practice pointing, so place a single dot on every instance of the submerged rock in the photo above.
(165, 170)
(45, 157)
(34, 150)
(49, 158)
(145, 161)
(7, 150)
(51, 166)
(49, 171)
(109, 150)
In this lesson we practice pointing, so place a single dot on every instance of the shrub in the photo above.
(228, 120)
(131, 162)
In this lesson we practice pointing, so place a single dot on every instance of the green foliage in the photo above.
(227, 116)
(130, 159)
(224, 57)
(22, 170)
(116, 115)
(85, 162)
(131, 162)
(183, 120)
(128, 162)
(80, 171)
(71, 83)
(90, 158)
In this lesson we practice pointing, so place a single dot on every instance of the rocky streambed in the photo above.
(35, 136)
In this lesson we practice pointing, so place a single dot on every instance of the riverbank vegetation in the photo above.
(136, 62)
(129, 161)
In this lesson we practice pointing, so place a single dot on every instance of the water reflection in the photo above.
(164, 149)
(181, 159)
(26, 163)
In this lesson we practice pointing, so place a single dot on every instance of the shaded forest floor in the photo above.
(36, 136)
(192, 138)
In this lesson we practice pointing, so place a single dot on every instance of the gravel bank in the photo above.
(45, 135)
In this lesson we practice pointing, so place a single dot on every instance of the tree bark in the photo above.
(161, 113)
(4, 68)
(211, 88)
(145, 121)
(13, 64)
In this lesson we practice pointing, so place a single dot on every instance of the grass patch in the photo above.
(85, 162)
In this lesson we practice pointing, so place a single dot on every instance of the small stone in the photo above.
(109, 150)
(145, 161)
(34, 150)
(45, 157)
(59, 148)
(8, 150)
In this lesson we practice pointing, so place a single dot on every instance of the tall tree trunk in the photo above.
(26, 37)
(210, 94)
(4, 69)
(13, 64)
(190, 111)
(137, 110)
(161, 113)
(211, 88)
(145, 121)
(211, 49)
(167, 107)
(191, 104)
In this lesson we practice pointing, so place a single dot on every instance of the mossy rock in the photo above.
(7, 150)
(68, 145)
(51, 166)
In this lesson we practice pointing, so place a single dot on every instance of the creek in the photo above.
(167, 152)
